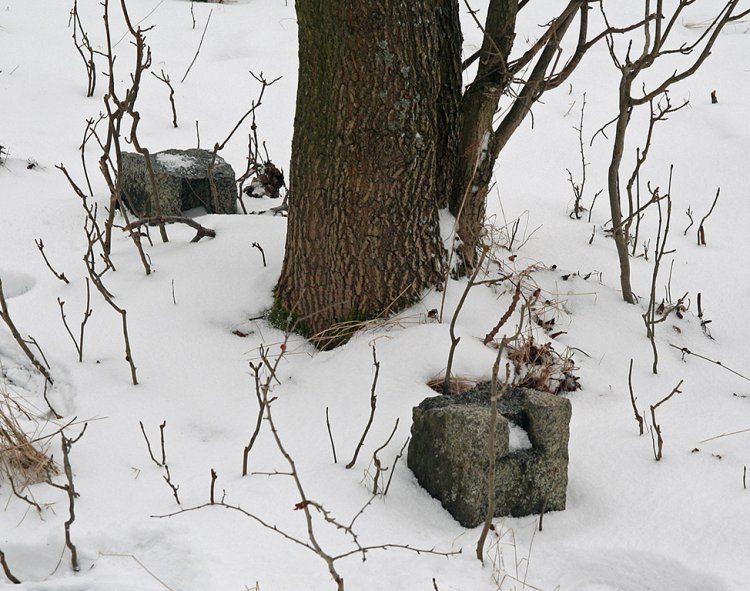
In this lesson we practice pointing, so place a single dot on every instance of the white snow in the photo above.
(518, 438)
(631, 524)
(176, 162)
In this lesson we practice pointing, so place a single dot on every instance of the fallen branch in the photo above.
(168, 219)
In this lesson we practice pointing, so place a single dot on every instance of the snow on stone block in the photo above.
(448, 452)
(182, 183)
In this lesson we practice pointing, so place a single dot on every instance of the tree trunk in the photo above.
(480, 145)
(478, 107)
(372, 158)
(620, 230)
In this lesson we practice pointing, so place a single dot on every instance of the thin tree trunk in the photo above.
(620, 230)
(478, 107)
(480, 144)
(370, 158)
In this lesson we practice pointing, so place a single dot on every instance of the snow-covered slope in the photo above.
(632, 524)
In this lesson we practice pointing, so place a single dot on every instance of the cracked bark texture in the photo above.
(375, 135)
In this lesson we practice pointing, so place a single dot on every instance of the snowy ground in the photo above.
(632, 524)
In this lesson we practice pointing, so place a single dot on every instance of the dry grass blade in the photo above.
(458, 384)
(20, 461)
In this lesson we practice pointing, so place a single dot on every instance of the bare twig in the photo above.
(19, 339)
(658, 446)
(165, 78)
(213, 482)
(649, 317)
(78, 344)
(262, 253)
(330, 437)
(495, 393)
(701, 229)
(454, 339)
(69, 488)
(725, 435)
(60, 276)
(376, 460)
(195, 57)
(148, 445)
(686, 351)
(393, 467)
(373, 404)
(514, 302)
(6, 569)
(96, 280)
(175, 487)
(264, 83)
(638, 416)
(163, 463)
(84, 44)
(688, 213)
(259, 419)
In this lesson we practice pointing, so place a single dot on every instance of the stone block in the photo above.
(181, 180)
(448, 452)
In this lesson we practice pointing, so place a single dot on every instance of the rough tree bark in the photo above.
(372, 157)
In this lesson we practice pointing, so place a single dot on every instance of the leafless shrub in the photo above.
(84, 48)
(656, 29)
(163, 463)
(579, 188)
(78, 343)
(70, 490)
(657, 313)
(313, 511)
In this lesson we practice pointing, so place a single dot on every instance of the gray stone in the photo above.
(181, 180)
(448, 452)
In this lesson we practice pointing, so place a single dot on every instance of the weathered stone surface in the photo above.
(448, 452)
(181, 180)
